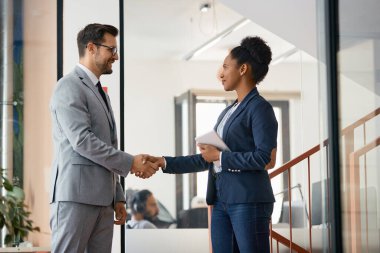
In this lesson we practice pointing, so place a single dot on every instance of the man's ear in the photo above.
(91, 47)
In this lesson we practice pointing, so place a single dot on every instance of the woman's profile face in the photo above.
(230, 74)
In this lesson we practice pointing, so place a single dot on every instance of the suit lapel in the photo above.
(240, 108)
(85, 80)
(111, 112)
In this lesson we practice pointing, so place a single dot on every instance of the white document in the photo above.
(212, 138)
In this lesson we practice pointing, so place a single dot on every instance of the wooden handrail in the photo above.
(367, 147)
(351, 178)
(293, 162)
(296, 160)
(360, 121)
(316, 148)
(286, 167)
(354, 205)
(347, 133)
(283, 240)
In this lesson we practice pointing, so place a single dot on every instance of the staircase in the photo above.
(351, 187)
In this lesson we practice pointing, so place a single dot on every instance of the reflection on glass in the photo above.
(358, 66)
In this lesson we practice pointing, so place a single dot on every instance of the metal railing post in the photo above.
(6, 90)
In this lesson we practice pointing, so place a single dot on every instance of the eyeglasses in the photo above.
(112, 49)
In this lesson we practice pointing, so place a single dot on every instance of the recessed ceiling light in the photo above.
(205, 7)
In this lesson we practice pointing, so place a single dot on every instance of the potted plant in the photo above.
(13, 213)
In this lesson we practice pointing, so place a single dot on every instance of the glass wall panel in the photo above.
(359, 106)
(29, 59)
(320, 190)
(180, 48)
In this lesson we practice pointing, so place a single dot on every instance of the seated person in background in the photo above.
(144, 210)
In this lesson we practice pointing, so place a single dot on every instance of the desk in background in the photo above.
(26, 249)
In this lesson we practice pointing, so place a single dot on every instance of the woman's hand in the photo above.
(209, 153)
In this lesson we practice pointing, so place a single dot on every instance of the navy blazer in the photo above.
(251, 134)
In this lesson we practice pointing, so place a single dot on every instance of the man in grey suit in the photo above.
(85, 188)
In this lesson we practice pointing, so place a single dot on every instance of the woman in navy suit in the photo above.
(238, 185)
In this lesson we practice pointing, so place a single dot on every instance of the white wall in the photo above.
(78, 14)
(149, 98)
(150, 88)
(149, 113)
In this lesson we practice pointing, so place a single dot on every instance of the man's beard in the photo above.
(103, 68)
(150, 218)
(107, 72)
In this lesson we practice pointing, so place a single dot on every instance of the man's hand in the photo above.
(142, 167)
(157, 161)
(120, 213)
(209, 153)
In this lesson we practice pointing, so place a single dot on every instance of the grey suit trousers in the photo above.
(81, 228)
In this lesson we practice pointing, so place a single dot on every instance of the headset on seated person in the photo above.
(138, 201)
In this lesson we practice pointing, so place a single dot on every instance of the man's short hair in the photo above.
(93, 33)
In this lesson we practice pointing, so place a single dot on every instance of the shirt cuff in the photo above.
(218, 163)
(164, 164)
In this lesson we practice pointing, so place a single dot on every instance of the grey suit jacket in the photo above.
(86, 158)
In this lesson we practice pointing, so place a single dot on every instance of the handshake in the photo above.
(144, 166)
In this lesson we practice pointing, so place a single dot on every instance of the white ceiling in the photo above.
(170, 29)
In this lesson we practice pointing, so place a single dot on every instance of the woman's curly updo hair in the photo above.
(255, 52)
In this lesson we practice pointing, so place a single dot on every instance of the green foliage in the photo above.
(13, 213)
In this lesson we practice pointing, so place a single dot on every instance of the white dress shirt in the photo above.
(219, 130)
(89, 73)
